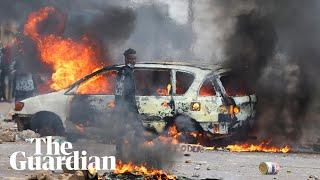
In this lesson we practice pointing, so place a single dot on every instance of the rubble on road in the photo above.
(27, 134)
(12, 135)
(78, 175)
(64, 176)
(42, 176)
(312, 177)
(195, 175)
(197, 167)
(8, 136)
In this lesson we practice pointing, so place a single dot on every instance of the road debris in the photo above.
(269, 168)
(197, 167)
(313, 177)
(196, 175)
(41, 176)
(78, 175)
(8, 136)
(64, 176)
(27, 134)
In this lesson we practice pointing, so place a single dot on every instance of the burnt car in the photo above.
(208, 96)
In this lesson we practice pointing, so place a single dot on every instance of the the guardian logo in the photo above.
(58, 155)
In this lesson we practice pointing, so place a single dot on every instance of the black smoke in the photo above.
(251, 45)
(274, 45)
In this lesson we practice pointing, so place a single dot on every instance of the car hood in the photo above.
(45, 96)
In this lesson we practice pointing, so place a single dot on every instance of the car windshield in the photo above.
(86, 84)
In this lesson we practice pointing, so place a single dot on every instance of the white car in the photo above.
(209, 97)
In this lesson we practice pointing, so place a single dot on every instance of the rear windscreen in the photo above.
(235, 86)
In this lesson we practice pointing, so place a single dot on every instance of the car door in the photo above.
(205, 107)
(197, 97)
(92, 98)
(153, 93)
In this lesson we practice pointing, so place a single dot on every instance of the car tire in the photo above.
(241, 134)
(186, 126)
(47, 124)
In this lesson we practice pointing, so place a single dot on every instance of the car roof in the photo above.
(163, 64)
(182, 64)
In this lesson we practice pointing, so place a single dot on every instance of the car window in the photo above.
(184, 81)
(103, 84)
(152, 82)
(235, 86)
(207, 88)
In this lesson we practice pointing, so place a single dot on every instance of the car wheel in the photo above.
(186, 126)
(47, 124)
(240, 134)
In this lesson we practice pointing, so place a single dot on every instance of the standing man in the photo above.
(125, 98)
(125, 116)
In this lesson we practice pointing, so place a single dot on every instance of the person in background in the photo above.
(1, 73)
(7, 71)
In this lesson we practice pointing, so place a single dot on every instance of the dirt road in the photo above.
(214, 164)
(209, 164)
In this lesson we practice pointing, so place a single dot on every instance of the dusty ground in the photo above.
(214, 164)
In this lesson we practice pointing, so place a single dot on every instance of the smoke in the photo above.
(148, 27)
(158, 37)
(273, 44)
(114, 26)
(123, 128)
(104, 22)
(250, 46)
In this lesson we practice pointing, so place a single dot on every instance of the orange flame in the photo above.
(70, 60)
(262, 147)
(142, 170)
(162, 92)
(172, 136)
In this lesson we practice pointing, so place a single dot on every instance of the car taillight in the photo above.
(234, 109)
(231, 109)
(18, 106)
(195, 106)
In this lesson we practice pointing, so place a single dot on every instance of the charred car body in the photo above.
(207, 96)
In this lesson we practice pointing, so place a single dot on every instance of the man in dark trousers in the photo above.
(125, 98)
(125, 116)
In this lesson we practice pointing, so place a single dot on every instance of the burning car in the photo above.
(207, 97)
